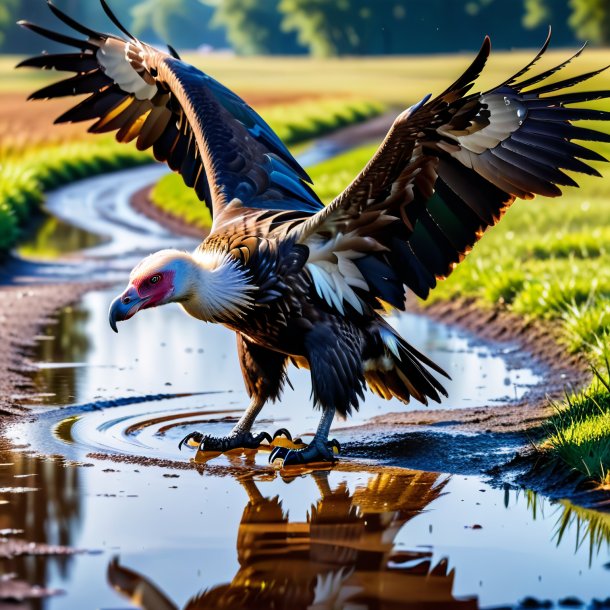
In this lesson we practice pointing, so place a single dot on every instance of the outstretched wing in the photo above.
(220, 146)
(447, 170)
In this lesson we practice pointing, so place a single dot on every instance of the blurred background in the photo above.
(327, 28)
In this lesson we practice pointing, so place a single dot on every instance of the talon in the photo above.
(191, 436)
(263, 436)
(283, 438)
(316, 452)
(225, 444)
(278, 455)
(283, 432)
(334, 446)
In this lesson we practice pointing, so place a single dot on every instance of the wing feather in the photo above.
(450, 167)
(208, 134)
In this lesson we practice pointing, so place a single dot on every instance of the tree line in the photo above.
(327, 27)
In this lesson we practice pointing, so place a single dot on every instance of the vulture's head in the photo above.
(210, 286)
(164, 277)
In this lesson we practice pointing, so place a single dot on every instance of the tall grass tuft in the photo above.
(579, 432)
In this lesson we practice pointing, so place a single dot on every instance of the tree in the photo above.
(341, 27)
(181, 23)
(8, 10)
(254, 27)
(537, 12)
(590, 20)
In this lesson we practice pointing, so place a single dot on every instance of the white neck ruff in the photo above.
(222, 292)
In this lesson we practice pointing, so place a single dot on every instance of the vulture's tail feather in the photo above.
(396, 369)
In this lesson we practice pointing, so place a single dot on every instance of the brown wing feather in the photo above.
(447, 170)
(219, 145)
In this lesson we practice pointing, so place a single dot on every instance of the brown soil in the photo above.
(142, 203)
(23, 125)
(27, 124)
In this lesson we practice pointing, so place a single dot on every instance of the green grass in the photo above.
(579, 432)
(171, 196)
(297, 122)
(26, 177)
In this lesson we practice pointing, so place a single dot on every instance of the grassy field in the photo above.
(396, 81)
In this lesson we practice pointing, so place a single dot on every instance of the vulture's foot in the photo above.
(317, 451)
(222, 444)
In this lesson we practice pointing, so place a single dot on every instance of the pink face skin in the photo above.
(143, 292)
(153, 288)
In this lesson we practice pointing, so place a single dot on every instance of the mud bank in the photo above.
(24, 311)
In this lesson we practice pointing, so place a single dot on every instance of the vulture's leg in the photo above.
(239, 437)
(264, 374)
(334, 349)
(319, 450)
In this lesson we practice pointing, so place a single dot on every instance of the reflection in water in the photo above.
(342, 556)
(67, 341)
(357, 537)
(590, 528)
(51, 514)
(53, 238)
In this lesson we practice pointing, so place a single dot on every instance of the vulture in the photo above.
(304, 283)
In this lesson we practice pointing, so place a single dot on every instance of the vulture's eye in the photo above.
(155, 278)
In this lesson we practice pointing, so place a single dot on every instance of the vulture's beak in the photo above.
(125, 306)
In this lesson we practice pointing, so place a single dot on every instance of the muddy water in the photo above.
(235, 533)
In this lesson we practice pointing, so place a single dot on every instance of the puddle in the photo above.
(163, 352)
(52, 238)
(240, 536)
